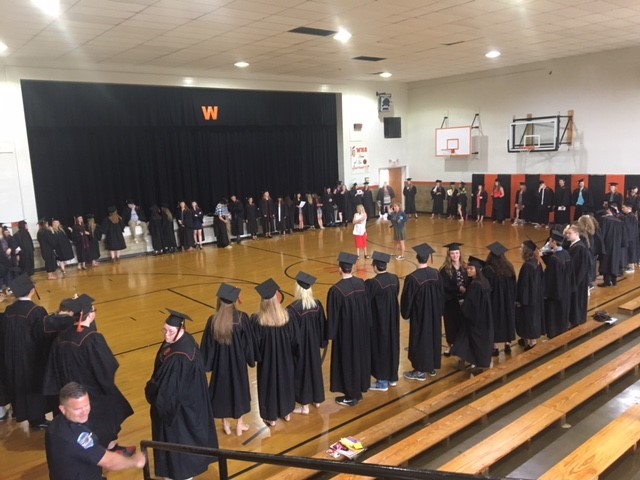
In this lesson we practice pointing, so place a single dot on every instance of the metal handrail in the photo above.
(365, 469)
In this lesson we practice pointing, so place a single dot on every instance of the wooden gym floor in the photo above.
(131, 297)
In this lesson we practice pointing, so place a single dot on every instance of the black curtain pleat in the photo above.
(598, 188)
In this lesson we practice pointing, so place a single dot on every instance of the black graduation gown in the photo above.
(613, 237)
(581, 263)
(81, 240)
(27, 251)
(276, 349)
(452, 204)
(562, 200)
(180, 408)
(410, 199)
(462, 203)
(368, 203)
(268, 215)
(437, 199)
(251, 214)
(630, 221)
(155, 230)
(64, 251)
(310, 214)
(236, 209)
(350, 205)
(24, 359)
(503, 305)
(474, 342)
(452, 314)
(422, 303)
(229, 385)
(544, 204)
(185, 228)
(349, 325)
(328, 217)
(383, 290)
(168, 234)
(85, 357)
(312, 323)
(530, 301)
(114, 239)
(482, 210)
(220, 231)
(94, 243)
(558, 286)
(5, 398)
(47, 249)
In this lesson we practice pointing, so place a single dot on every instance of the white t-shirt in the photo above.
(359, 228)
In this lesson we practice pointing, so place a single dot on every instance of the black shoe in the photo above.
(528, 347)
(447, 353)
(43, 425)
(605, 284)
(507, 348)
(495, 352)
(521, 342)
(352, 402)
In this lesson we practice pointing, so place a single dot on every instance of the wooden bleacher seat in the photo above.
(404, 450)
(479, 458)
(630, 307)
(600, 451)
(423, 410)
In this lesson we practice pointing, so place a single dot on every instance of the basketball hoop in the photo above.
(528, 148)
(452, 151)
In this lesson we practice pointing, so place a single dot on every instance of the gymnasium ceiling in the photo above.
(419, 39)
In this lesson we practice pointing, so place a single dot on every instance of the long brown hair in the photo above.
(447, 265)
(223, 322)
(272, 313)
(114, 217)
(501, 265)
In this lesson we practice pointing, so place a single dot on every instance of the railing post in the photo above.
(222, 468)
(145, 469)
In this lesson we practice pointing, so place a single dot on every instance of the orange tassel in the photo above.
(79, 326)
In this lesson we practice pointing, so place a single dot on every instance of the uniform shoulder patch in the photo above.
(85, 440)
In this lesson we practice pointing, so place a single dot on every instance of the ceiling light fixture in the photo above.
(3, 47)
(188, 81)
(492, 54)
(386, 74)
(50, 7)
(342, 35)
(241, 64)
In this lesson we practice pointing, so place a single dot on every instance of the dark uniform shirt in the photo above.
(73, 451)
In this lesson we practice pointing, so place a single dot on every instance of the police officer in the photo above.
(73, 450)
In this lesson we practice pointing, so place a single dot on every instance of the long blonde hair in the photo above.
(223, 321)
(587, 225)
(272, 313)
(305, 295)
(447, 265)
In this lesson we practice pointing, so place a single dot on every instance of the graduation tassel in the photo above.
(79, 326)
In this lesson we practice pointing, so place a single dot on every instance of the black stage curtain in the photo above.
(95, 145)
(598, 188)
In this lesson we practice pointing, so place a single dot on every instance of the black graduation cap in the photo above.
(89, 215)
(581, 180)
(409, 179)
(452, 183)
(21, 285)
(523, 183)
(83, 304)
(540, 182)
(366, 183)
(348, 258)
(557, 236)
(438, 181)
(530, 244)
(423, 250)
(628, 203)
(476, 262)
(176, 319)
(613, 184)
(111, 209)
(228, 293)
(305, 280)
(128, 201)
(381, 257)
(497, 248)
(267, 289)
(453, 246)
(354, 184)
(462, 184)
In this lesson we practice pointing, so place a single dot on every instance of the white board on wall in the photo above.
(453, 141)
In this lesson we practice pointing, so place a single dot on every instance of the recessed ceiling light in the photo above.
(50, 7)
(188, 81)
(492, 54)
(241, 64)
(3, 47)
(386, 74)
(342, 35)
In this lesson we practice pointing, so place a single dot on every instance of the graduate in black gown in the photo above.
(562, 203)
(452, 201)
(630, 221)
(63, 248)
(581, 198)
(310, 212)
(112, 227)
(251, 216)
(82, 241)
(275, 340)
(47, 248)
(453, 274)
(169, 244)
(184, 217)
(267, 214)
(94, 239)
(236, 209)
(611, 259)
(227, 351)
(308, 313)
(581, 264)
(383, 290)
(501, 275)
(530, 296)
(349, 324)
(23, 349)
(27, 250)
(155, 229)
(474, 342)
(422, 303)
(438, 195)
(410, 191)
(367, 201)
(179, 398)
(558, 286)
(328, 217)
(81, 354)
